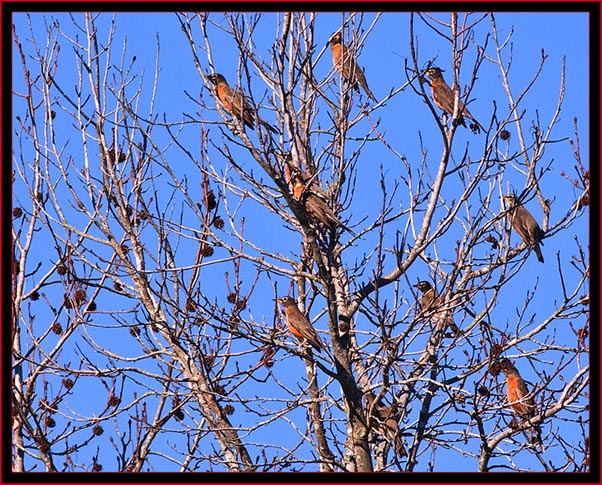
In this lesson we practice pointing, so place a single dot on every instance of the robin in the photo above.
(388, 421)
(387, 424)
(344, 62)
(298, 324)
(519, 398)
(235, 103)
(316, 205)
(292, 173)
(523, 222)
(429, 301)
(306, 190)
(443, 96)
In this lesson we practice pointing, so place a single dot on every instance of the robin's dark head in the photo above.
(434, 72)
(510, 200)
(423, 286)
(286, 301)
(286, 156)
(336, 38)
(507, 367)
(216, 78)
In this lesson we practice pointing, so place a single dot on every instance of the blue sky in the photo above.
(405, 120)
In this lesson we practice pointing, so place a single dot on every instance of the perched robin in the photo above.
(298, 324)
(519, 398)
(316, 205)
(388, 422)
(294, 176)
(429, 301)
(235, 103)
(306, 190)
(443, 96)
(344, 62)
(523, 222)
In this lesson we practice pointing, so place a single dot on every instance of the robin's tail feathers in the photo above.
(267, 125)
(537, 250)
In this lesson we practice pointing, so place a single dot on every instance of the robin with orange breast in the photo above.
(344, 62)
(519, 398)
(235, 103)
(429, 301)
(306, 190)
(293, 175)
(298, 324)
(316, 205)
(524, 224)
(444, 97)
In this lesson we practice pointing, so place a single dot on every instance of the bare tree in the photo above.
(147, 337)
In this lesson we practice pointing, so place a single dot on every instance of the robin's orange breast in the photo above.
(336, 52)
(287, 173)
(290, 322)
(514, 394)
(298, 190)
(222, 95)
(294, 331)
